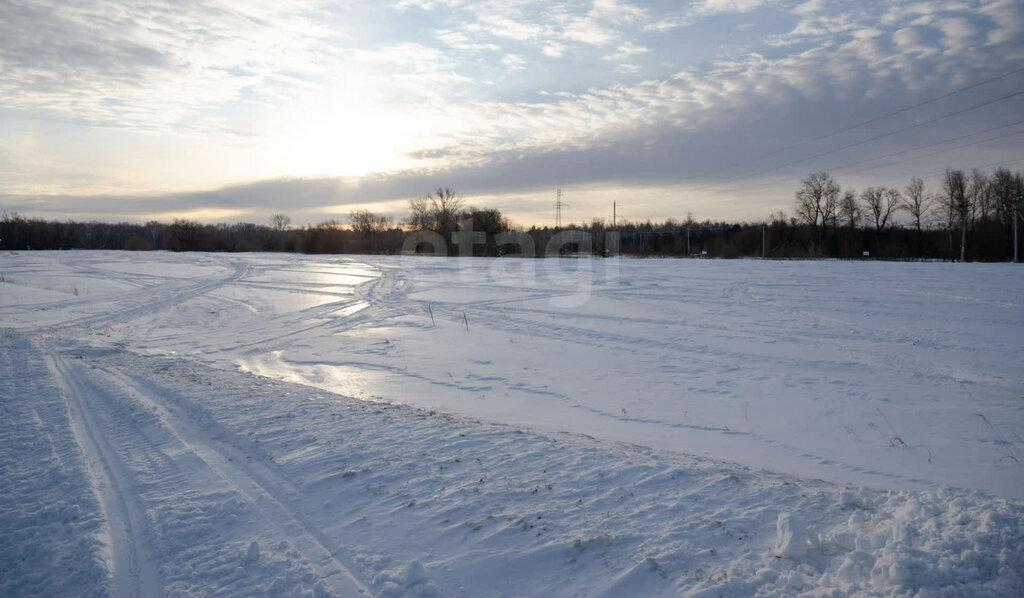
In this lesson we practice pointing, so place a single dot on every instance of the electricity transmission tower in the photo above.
(559, 204)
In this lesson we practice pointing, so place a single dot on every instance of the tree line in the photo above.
(968, 215)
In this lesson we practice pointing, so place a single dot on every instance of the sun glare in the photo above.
(338, 136)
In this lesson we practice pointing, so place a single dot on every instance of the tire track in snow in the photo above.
(134, 572)
(167, 299)
(257, 482)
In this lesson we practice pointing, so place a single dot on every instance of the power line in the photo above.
(959, 137)
(942, 151)
(941, 173)
(841, 168)
(883, 135)
(863, 141)
(918, 105)
(879, 118)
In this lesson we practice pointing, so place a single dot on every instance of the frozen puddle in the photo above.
(347, 380)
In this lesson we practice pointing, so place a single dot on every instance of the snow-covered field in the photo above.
(281, 424)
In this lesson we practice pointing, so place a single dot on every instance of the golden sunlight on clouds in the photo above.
(344, 132)
(340, 212)
(201, 215)
(338, 143)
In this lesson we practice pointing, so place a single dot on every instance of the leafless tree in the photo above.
(817, 202)
(830, 209)
(154, 227)
(280, 221)
(958, 207)
(185, 234)
(893, 199)
(811, 197)
(915, 201)
(419, 214)
(438, 211)
(1005, 186)
(881, 202)
(979, 195)
(850, 210)
(447, 208)
(366, 222)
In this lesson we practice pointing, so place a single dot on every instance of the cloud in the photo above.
(910, 41)
(498, 25)
(627, 50)
(958, 33)
(547, 26)
(1007, 17)
(603, 23)
(704, 9)
(153, 66)
(461, 41)
(589, 31)
(717, 7)
(553, 50)
(513, 62)
(489, 96)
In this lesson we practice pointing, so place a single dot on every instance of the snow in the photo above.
(277, 424)
(792, 537)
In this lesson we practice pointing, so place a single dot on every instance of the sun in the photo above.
(345, 143)
(337, 135)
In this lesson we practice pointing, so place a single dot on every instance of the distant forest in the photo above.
(969, 216)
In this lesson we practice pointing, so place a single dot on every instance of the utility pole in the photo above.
(763, 243)
(614, 208)
(964, 207)
(1016, 224)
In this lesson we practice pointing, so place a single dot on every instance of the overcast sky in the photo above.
(228, 111)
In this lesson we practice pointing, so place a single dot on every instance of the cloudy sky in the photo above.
(228, 111)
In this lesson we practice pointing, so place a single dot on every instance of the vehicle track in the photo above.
(143, 304)
(134, 571)
(150, 461)
(258, 482)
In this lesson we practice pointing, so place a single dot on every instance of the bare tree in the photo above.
(817, 202)
(153, 228)
(893, 199)
(1005, 186)
(491, 222)
(366, 222)
(419, 214)
(810, 198)
(958, 207)
(881, 203)
(438, 211)
(280, 221)
(185, 234)
(447, 207)
(979, 195)
(830, 214)
(850, 210)
(915, 201)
